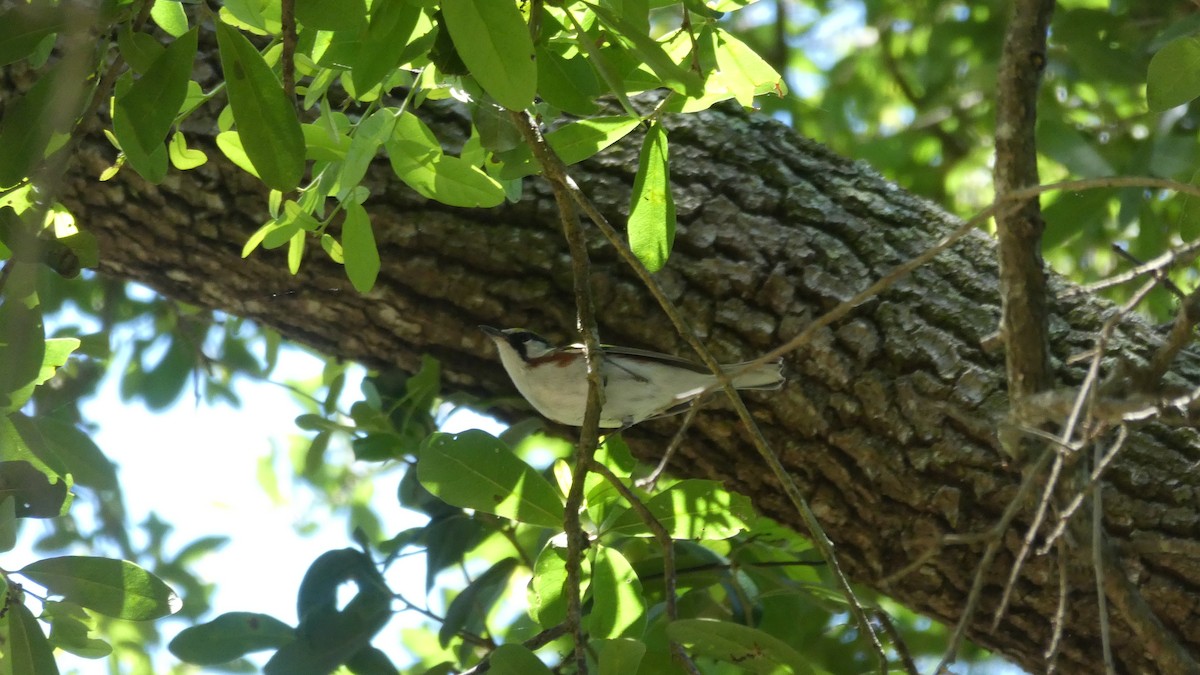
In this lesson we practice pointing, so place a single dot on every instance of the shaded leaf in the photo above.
(514, 659)
(26, 650)
(230, 636)
(33, 494)
(469, 609)
(267, 125)
(116, 588)
(748, 648)
(1173, 77)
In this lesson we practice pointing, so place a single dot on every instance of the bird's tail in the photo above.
(767, 375)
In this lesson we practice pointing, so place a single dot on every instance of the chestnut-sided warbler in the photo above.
(638, 384)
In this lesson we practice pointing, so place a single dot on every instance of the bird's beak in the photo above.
(492, 332)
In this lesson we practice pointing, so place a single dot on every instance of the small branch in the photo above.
(1159, 274)
(589, 434)
(287, 19)
(1022, 277)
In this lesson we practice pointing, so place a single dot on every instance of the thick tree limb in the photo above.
(888, 421)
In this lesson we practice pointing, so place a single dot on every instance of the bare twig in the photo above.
(1183, 255)
(1098, 470)
(1060, 611)
(1159, 273)
(1097, 552)
(889, 627)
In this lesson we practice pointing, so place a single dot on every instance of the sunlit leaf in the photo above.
(652, 206)
(693, 509)
(475, 470)
(618, 606)
(514, 659)
(26, 650)
(493, 41)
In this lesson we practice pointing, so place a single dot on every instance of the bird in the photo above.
(638, 384)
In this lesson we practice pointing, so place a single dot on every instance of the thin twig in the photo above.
(649, 481)
(670, 580)
(1097, 553)
(1101, 464)
(889, 627)
(1159, 273)
(1184, 254)
(1060, 611)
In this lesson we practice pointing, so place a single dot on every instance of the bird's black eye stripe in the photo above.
(520, 341)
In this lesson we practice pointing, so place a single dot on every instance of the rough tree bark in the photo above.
(888, 421)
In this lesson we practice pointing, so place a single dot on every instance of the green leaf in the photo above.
(26, 650)
(476, 470)
(230, 636)
(116, 588)
(514, 659)
(650, 52)
(267, 125)
(170, 17)
(743, 71)
(328, 636)
(296, 250)
(22, 352)
(748, 648)
(370, 134)
(23, 28)
(620, 656)
(151, 103)
(546, 595)
(469, 609)
(380, 50)
(69, 628)
(230, 144)
(8, 523)
(331, 14)
(652, 207)
(140, 50)
(79, 453)
(1174, 74)
(182, 157)
(34, 496)
(693, 509)
(618, 606)
(150, 163)
(567, 84)
(493, 40)
(358, 248)
(27, 126)
(457, 183)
